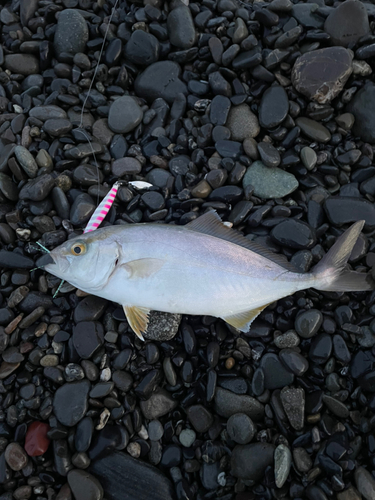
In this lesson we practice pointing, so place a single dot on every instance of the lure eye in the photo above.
(78, 249)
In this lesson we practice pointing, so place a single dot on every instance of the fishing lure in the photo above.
(100, 213)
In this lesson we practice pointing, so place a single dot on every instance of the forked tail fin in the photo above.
(330, 272)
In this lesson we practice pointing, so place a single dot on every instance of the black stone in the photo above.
(275, 375)
(142, 49)
(347, 210)
(70, 402)
(88, 336)
(294, 234)
(140, 478)
(161, 79)
(274, 107)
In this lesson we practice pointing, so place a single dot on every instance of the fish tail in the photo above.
(331, 273)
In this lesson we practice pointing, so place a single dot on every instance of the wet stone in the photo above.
(313, 130)
(124, 115)
(240, 428)
(36, 440)
(161, 79)
(347, 23)
(181, 29)
(48, 112)
(26, 160)
(275, 375)
(293, 401)
(306, 15)
(335, 406)
(57, 127)
(219, 109)
(274, 107)
(242, 123)
(155, 430)
(294, 361)
(90, 308)
(159, 404)
(321, 348)
(283, 462)
(142, 49)
(88, 336)
(107, 440)
(360, 106)
(308, 157)
(71, 34)
(37, 189)
(83, 435)
(200, 418)
(334, 64)
(269, 182)
(365, 483)
(15, 456)
(307, 324)
(70, 402)
(126, 166)
(162, 326)
(84, 485)
(251, 460)
(269, 154)
(294, 234)
(341, 212)
(23, 64)
(228, 403)
(82, 209)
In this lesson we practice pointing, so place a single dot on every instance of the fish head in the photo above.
(87, 261)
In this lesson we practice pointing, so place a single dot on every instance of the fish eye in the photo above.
(78, 249)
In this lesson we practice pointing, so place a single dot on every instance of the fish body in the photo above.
(203, 268)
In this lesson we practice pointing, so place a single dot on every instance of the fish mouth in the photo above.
(45, 260)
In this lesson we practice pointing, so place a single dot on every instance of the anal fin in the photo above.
(137, 318)
(243, 320)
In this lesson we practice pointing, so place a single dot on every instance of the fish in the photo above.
(202, 268)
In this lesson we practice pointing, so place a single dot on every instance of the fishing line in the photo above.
(43, 247)
(82, 130)
(80, 127)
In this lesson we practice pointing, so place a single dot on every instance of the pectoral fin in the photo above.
(137, 318)
(143, 268)
(243, 320)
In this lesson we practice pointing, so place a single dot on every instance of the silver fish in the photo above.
(203, 268)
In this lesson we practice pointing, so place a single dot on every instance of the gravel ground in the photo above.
(263, 111)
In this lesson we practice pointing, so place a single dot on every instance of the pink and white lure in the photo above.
(100, 213)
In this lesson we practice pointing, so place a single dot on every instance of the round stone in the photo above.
(124, 115)
(242, 123)
(307, 323)
(187, 437)
(36, 440)
(71, 402)
(321, 74)
(250, 461)
(161, 79)
(15, 456)
(269, 182)
(181, 29)
(23, 64)
(241, 428)
(142, 49)
(71, 33)
(274, 106)
(347, 23)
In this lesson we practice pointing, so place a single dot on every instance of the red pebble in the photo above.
(36, 441)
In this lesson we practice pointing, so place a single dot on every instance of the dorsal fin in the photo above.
(210, 223)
